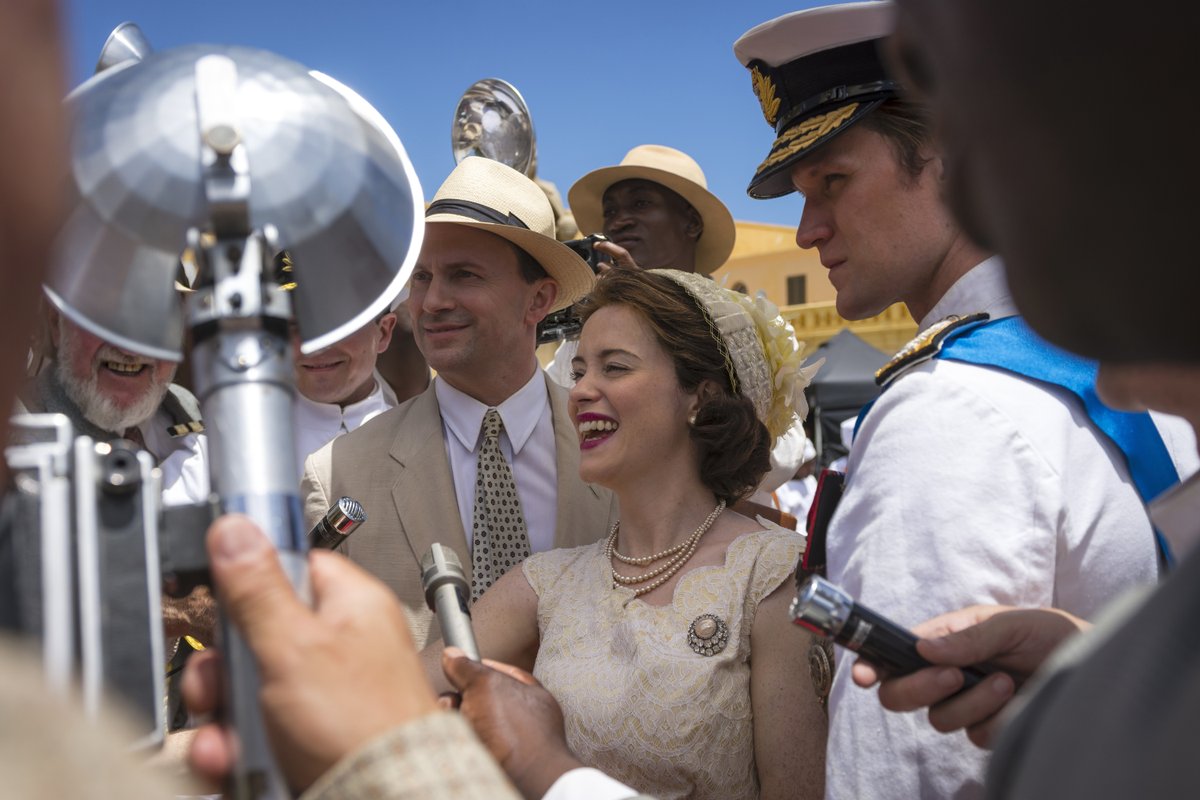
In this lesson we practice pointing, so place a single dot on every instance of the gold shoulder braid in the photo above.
(926, 345)
(184, 428)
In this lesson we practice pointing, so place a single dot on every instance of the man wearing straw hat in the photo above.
(486, 460)
(657, 212)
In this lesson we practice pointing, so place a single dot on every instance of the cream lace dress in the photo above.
(639, 703)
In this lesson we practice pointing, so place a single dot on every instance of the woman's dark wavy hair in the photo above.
(734, 445)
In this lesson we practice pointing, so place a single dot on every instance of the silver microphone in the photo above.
(341, 520)
(446, 591)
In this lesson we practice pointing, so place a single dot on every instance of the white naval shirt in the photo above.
(182, 461)
(968, 485)
(320, 423)
(527, 442)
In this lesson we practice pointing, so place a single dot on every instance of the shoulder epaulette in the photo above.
(184, 428)
(926, 345)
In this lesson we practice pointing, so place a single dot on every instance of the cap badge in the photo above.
(764, 90)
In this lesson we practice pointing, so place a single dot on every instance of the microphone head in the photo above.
(441, 565)
(345, 515)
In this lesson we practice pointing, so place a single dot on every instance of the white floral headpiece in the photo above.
(766, 361)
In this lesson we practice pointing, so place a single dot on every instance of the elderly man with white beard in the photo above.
(108, 394)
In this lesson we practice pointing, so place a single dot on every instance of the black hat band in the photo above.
(838, 94)
(475, 211)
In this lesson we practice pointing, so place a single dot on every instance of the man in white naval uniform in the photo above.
(966, 484)
(339, 388)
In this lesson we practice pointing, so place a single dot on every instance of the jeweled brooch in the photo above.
(708, 634)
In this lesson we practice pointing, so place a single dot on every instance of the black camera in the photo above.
(586, 248)
(566, 324)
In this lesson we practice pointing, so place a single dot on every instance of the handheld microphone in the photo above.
(825, 609)
(341, 520)
(446, 591)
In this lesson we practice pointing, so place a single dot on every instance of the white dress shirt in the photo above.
(527, 443)
(968, 484)
(320, 423)
(559, 369)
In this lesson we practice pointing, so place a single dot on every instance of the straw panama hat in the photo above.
(673, 169)
(485, 194)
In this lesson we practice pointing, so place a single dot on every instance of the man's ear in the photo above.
(931, 156)
(542, 300)
(387, 324)
(695, 224)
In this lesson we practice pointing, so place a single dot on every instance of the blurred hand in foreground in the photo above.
(1013, 641)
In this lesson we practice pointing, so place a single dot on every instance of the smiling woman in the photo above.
(668, 644)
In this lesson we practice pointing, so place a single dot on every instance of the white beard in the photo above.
(97, 408)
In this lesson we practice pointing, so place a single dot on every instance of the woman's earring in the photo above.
(692, 420)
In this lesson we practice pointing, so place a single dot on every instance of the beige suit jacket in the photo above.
(396, 466)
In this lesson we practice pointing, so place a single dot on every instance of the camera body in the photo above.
(79, 557)
(586, 248)
(566, 324)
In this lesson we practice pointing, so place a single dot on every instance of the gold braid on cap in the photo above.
(802, 136)
(765, 361)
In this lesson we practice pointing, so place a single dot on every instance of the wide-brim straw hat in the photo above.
(673, 169)
(485, 194)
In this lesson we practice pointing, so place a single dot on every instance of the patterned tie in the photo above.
(500, 539)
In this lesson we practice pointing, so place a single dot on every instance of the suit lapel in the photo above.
(424, 489)
(583, 509)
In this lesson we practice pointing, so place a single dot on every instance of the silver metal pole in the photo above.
(244, 380)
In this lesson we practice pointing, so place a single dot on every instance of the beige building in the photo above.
(766, 258)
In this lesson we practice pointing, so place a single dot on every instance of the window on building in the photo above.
(797, 290)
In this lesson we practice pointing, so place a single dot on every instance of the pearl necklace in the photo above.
(677, 555)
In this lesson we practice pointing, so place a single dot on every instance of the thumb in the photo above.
(460, 670)
(516, 673)
(253, 589)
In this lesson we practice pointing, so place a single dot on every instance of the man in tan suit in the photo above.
(489, 271)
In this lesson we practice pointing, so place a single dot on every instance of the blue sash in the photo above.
(1009, 344)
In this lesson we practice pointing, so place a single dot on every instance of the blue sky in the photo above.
(599, 77)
